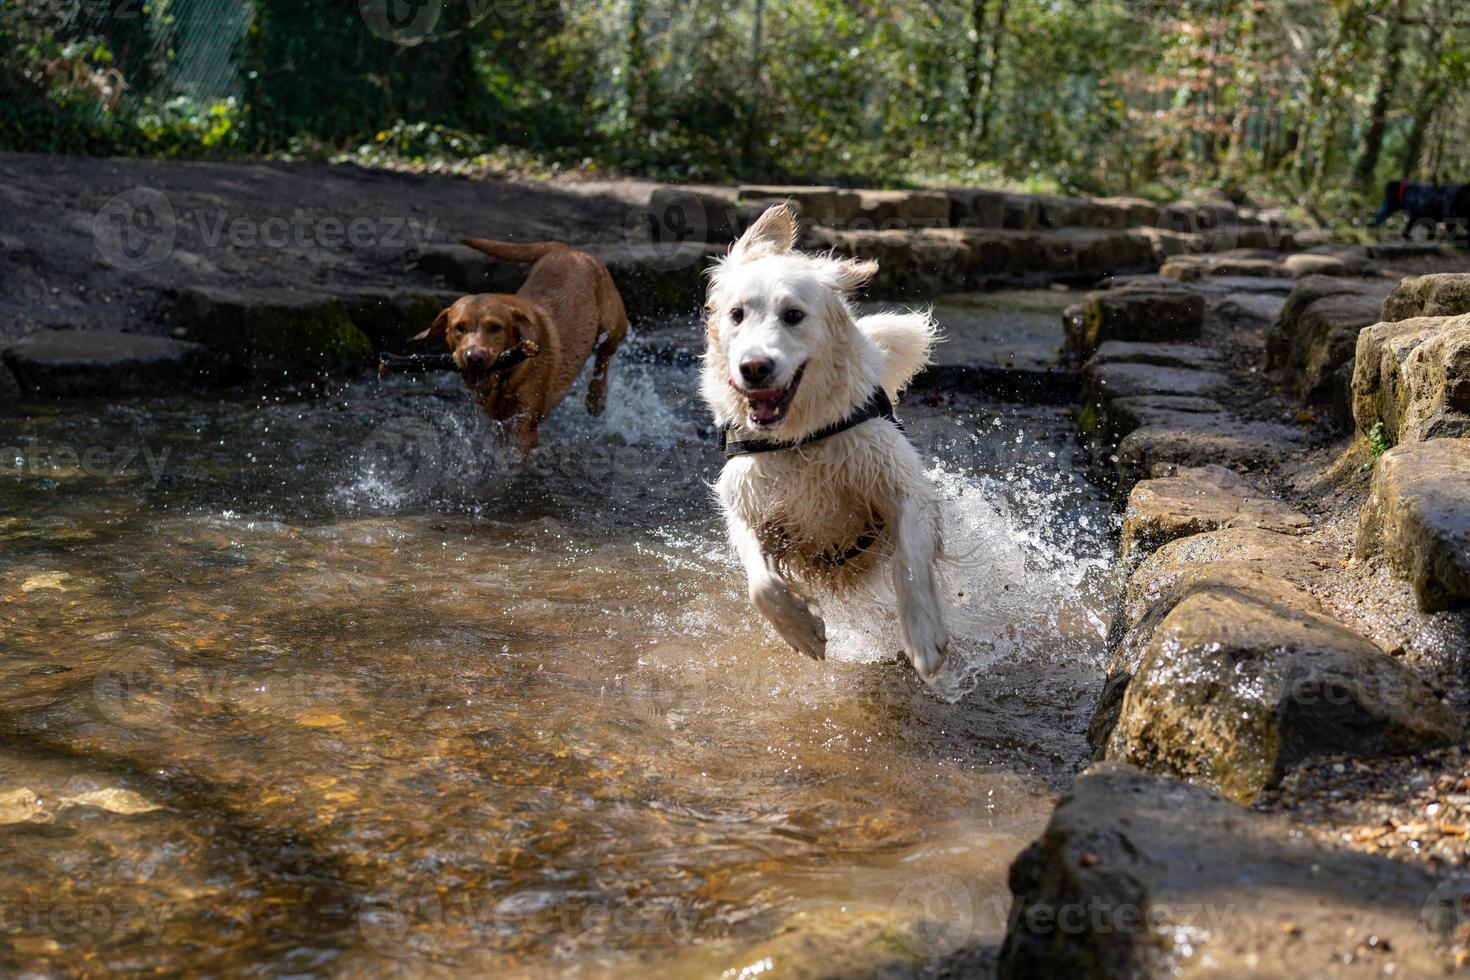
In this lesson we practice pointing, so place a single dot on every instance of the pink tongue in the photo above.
(765, 409)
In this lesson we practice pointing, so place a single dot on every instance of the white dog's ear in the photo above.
(773, 233)
(849, 275)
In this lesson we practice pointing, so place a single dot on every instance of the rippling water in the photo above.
(333, 687)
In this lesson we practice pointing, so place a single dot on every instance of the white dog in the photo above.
(820, 488)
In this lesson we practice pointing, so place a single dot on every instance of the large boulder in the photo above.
(654, 279)
(1245, 560)
(1411, 379)
(976, 207)
(1320, 344)
(1145, 877)
(1138, 314)
(1126, 212)
(1235, 689)
(464, 269)
(683, 214)
(829, 206)
(1446, 294)
(79, 363)
(1195, 500)
(270, 334)
(391, 317)
(1418, 515)
(903, 209)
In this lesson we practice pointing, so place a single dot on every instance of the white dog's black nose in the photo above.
(757, 371)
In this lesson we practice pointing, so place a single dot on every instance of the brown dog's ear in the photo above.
(524, 325)
(438, 328)
(773, 233)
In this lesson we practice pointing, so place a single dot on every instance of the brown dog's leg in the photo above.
(597, 389)
(614, 324)
(527, 429)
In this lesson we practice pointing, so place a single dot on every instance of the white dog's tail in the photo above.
(907, 341)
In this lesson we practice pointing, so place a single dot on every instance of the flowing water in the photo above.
(332, 686)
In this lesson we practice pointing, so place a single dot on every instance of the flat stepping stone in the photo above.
(1418, 516)
(80, 363)
(1199, 440)
(1004, 345)
(1190, 356)
(1250, 308)
(1195, 500)
(1137, 314)
(1145, 876)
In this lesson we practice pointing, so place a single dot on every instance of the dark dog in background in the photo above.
(1426, 206)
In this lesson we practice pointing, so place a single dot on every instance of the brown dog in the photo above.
(568, 307)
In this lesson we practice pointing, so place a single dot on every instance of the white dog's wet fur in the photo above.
(786, 357)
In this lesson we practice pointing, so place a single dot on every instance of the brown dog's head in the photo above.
(478, 328)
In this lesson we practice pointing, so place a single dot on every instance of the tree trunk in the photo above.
(992, 67)
(637, 59)
(752, 118)
(1315, 136)
(1384, 86)
(1430, 95)
(975, 68)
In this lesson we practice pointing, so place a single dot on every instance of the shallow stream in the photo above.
(331, 686)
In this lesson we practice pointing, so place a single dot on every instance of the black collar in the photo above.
(878, 406)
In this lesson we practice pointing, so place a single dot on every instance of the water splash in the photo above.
(1026, 569)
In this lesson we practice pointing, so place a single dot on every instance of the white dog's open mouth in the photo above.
(768, 407)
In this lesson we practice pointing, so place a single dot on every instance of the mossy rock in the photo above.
(274, 334)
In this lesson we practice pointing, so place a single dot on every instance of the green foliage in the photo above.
(1263, 98)
(1378, 444)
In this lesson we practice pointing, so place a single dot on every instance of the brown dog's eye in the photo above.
(736, 315)
(793, 316)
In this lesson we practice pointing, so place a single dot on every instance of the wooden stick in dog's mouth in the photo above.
(426, 363)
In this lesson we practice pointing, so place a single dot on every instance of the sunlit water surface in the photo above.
(334, 687)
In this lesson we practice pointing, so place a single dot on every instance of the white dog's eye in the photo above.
(793, 316)
(736, 315)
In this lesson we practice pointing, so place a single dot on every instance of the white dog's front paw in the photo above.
(793, 617)
(927, 643)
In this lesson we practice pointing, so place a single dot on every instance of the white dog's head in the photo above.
(785, 357)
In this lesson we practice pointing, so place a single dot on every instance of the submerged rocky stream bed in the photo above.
(329, 686)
